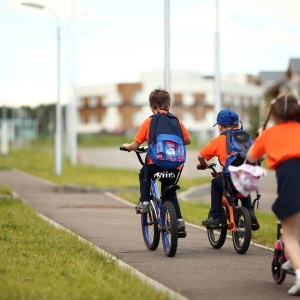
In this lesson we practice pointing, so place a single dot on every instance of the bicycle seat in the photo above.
(164, 175)
(170, 190)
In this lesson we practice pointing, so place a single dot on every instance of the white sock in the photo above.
(298, 274)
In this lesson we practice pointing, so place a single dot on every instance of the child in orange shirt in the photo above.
(159, 100)
(281, 143)
(226, 119)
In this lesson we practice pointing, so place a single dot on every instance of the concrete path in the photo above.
(196, 272)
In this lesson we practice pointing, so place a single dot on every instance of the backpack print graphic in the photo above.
(166, 145)
(238, 143)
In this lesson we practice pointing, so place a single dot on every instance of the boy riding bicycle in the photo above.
(159, 100)
(227, 119)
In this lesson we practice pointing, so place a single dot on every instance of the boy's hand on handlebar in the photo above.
(202, 167)
(124, 147)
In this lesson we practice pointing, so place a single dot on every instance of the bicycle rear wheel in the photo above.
(242, 237)
(169, 228)
(217, 236)
(277, 262)
(150, 230)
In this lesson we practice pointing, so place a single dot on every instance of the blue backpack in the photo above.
(238, 143)
(166, 146)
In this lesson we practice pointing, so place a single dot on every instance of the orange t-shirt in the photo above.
(216, 147)
(143, 133)
(281, 142)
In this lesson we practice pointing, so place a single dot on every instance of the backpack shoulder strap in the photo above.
(170, 115)
(227, 132)
(152, 129)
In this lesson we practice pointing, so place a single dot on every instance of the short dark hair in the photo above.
(159, 99)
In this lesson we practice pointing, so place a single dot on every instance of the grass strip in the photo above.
(39, 261)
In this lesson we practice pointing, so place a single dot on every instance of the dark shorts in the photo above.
(288, 189)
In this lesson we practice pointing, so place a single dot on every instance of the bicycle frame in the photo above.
(156, 198)
(161, 218)
(231, 225)
(235, 218)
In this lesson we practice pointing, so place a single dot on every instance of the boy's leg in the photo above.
(173, 198)
(143, 205)
(180, 222)
(216, 200)
(216, 197)
(246, 202)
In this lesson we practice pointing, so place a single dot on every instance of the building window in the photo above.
(136, 97)
(81, 102)
(236, 101)
(188, 99)
(81, 119)
(93, 119)
(93, 101)
(227, 100)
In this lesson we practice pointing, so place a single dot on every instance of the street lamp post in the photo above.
(217, 63)
(167, 73)
(58, 129)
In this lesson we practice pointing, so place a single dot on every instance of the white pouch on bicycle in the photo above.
(245, 178)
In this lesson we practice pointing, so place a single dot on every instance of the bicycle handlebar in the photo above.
(214, 173)
(203, 167)
(139, 150)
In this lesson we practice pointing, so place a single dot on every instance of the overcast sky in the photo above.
(115, 40)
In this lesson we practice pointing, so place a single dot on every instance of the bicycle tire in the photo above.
(150, 230)
(217, 236)
(169, 230)
(242, 237)
(277, 262)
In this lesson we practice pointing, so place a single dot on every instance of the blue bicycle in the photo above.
(161, 218)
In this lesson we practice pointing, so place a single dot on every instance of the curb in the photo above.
(194, 192)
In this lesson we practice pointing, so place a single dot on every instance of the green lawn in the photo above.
(39, 261)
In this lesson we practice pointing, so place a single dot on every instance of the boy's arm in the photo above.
(140, 136)
(202, 161)
(186, 134)
(133, 146)
(250, 159)
(188, 141)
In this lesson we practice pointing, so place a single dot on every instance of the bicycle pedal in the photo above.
(182, 235)
(216, 226)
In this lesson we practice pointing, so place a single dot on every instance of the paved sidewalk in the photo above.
(196, 272)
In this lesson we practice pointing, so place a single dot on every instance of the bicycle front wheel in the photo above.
(217, 236)
(242, 237)
(169, 228)
(150, 230)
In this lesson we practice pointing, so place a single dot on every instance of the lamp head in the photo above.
(35, 5)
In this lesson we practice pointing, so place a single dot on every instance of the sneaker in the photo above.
(182, 234)
(295, 289)
(211, 223)
(181, 228)
(287, 266)
(180, 224)
(142, 207)
(254, 223)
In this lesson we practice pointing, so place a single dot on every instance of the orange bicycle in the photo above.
(234, 218)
